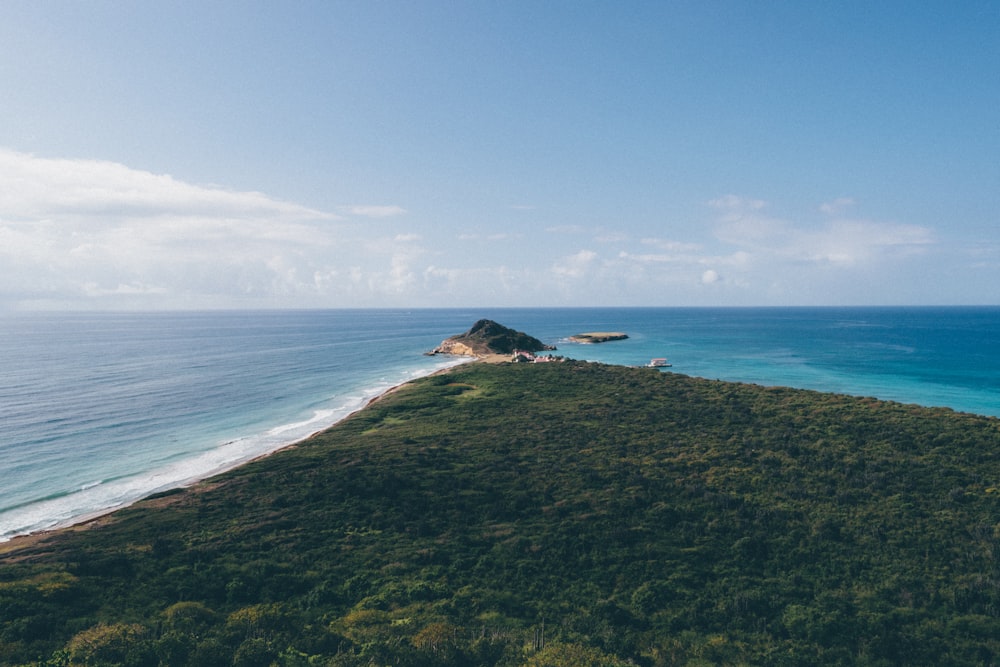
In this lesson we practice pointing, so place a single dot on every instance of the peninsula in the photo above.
(528, 515)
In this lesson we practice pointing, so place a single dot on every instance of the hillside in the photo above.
(549, 514)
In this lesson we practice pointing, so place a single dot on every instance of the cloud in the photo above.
(56, 188)
(675, 253)
(759, 257)
(836, 257)
(736, 205)
(599, 235)
(93, 289)
(838, 241)
(566, 229)
(612, 237)
(497, 284)
(672, 246)
(496, 236)
(861, 240)
(575, 266)
(677, 268)
(648, 258)
(97, 230)
(374, 211)
(836, 206)
(91, 233)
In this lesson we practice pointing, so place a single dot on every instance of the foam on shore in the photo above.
(101, 497)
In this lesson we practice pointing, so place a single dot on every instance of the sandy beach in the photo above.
(86, 522)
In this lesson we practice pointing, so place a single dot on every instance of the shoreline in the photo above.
(95, 518)
(407, 508)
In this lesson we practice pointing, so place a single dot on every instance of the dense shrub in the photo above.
(562, 513)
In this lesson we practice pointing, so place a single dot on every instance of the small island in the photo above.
(488, 338)
(598, 337)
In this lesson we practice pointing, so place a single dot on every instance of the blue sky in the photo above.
(419, 154)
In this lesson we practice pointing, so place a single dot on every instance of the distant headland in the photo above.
(487, 338)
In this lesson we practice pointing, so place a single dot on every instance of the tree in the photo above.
(116, 644)
(558, 654)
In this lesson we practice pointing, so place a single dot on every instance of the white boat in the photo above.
(658, 362)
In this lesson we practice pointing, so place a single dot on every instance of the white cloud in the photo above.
(374, 211)
(575, 266)
(838, 241)
(102, 234)
(671, 246)
(612, 237)
(678, 269)
(736, 205)
(36, 188)
(752, 230)
(497, 236)
(648, 258)
(850, 241)
(93, 289)
(831, 258)
(99, 230)
(566, 229)
(758, 257)
(836, 206)
(484, 284)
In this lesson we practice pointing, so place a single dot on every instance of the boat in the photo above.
(658, 362)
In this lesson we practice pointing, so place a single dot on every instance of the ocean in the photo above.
(98, 410)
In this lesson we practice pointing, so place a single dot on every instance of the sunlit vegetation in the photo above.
(552, 514)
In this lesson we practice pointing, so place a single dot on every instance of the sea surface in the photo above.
(100, 409)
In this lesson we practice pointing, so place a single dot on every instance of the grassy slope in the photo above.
(473, 517)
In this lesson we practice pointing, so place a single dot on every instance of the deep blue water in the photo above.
(98, 410)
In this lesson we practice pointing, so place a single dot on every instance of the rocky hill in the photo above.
(487, 337)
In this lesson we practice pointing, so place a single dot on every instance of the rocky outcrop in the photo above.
(598, 337)
(486, 337)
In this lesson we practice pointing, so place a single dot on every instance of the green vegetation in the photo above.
(550, 514)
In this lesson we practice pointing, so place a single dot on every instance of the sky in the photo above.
(341, 154)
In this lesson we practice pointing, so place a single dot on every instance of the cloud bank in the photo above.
(741, 254)
(97, 234)
(836, 241)
(101, 231)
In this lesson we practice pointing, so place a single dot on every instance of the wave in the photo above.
(101, 497)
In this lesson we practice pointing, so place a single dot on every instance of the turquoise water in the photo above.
(931, 356)
(98, 410)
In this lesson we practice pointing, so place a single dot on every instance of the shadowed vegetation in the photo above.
(552, 514)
